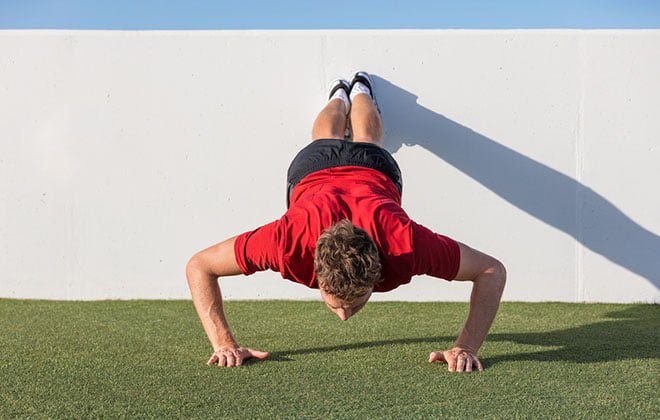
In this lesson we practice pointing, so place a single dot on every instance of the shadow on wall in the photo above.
(533, 187)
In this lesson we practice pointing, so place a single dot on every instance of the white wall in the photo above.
(123, 153)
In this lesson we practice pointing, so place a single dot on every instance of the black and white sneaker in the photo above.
(364, 78)
(337, 84)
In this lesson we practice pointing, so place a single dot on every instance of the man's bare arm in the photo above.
(203, 271)
(489, 278)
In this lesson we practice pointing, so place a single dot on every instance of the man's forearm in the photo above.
(484, 302)
(208, 303)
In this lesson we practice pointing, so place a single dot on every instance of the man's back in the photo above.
(367, 198)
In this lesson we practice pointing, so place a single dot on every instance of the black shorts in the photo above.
(330, 153)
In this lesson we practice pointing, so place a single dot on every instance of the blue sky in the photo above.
(337, 14)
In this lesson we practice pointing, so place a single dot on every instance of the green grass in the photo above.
(147, 359)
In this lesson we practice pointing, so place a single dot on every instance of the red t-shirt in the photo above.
(371, 201)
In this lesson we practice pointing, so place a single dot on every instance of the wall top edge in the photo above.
(319, 31)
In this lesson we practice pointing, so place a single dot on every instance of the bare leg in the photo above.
(366, 123)
(331, 121)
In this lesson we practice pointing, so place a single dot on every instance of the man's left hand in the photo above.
(457, 359)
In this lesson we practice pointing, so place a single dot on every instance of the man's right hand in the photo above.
(234, 356)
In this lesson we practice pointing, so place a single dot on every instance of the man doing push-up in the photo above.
(345, 233)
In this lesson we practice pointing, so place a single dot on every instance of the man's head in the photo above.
(347, 267)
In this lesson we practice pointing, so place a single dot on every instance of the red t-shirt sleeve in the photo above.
(435, 254)
(257, 250)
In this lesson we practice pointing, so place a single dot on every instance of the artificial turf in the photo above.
(147, 359)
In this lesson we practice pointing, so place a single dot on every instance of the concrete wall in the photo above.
(123, 153)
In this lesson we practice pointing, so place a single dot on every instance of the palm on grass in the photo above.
(231, 357)
(457, 359)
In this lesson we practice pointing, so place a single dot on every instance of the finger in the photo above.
(479, 367)
(239, 358)
(223, 360)
(230, 359)
(460, 363)
(213, 360)
(258, 354)
(451, 362)
(436, 356)
(468, 365)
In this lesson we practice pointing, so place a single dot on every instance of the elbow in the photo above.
(497, 272)
(194, 268)
(492, 274)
